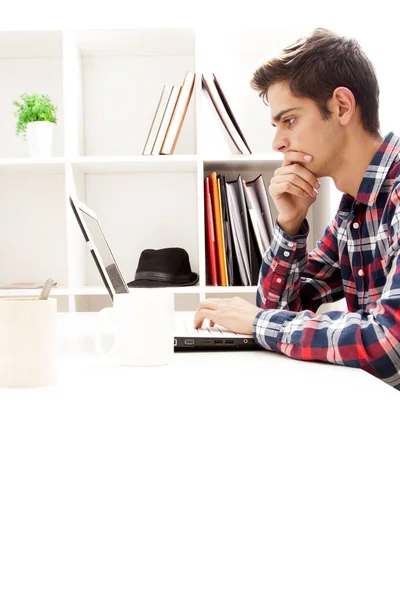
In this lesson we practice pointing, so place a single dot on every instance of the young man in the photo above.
(323, 95)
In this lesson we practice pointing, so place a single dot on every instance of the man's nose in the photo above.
(280, 143)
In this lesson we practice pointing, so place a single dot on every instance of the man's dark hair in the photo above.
(317, 64)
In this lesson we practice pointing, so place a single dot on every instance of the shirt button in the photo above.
(290, 244)
(360, 272)
(286, 253)
(356, 225)
(279, 280)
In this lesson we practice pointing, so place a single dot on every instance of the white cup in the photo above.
(142, 323)
(27, 342)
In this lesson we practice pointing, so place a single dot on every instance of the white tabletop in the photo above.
(223, 475)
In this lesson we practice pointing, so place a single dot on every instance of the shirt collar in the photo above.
(378, 169)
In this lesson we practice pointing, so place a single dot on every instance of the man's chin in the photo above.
(317, 172)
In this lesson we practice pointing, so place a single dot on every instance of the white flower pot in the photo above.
(40, 137)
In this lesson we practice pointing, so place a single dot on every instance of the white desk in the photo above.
(224, 475)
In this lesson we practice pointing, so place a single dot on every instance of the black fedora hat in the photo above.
(163, 268)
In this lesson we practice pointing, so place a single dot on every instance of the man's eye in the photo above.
(290, 121)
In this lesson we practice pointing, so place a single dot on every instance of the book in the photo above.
(157, 119)
(248, 244)
(178, 115)
(227, 229)
(209, 85)
(253, 206)
(210, 235)
(219, 230)
(162, 132)
(264, 202)
(229, 111)
(255, 250)
(256, 231)
(237, 235)
(250, 237)
(231, 253)
(240, 228)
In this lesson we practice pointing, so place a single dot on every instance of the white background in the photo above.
(374, 29)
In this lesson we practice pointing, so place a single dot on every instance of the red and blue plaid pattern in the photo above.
(358, 258)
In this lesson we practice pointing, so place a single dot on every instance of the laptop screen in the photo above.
(104, 251)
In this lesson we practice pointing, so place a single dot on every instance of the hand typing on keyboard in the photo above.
(235, 314)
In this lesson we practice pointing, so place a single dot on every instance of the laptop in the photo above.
(186, 337)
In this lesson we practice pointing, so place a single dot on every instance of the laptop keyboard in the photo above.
(183, 327)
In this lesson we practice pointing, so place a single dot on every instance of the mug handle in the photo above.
(104, 316)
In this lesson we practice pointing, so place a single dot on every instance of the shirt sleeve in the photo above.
(368, 339)
(294, 280)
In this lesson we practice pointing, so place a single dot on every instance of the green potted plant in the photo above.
(36, 120)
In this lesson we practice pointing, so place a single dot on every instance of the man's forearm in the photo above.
(353, 339)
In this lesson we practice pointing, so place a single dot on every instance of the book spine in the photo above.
(166, 119)
(218, 230)
(157, 119)
(178, 116)
(212, 258)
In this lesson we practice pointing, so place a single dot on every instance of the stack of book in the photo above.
(239, 229)
(168, 118)
(171, 110)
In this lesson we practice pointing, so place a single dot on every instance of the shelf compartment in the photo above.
(136, 212)
(122, 74)
(33, 239)
(30, 61)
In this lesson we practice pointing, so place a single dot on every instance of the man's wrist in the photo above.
(291, 228)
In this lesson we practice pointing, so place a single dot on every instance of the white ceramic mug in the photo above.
(142, 323)
(27, 342)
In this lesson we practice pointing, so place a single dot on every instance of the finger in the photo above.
(203, 313)
(197, 322)
(300, 171)
(293, 156)
(286, 187)
(202, 326)
(208, 304)
(297, 181)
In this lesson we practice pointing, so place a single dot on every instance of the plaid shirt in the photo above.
(358, 258)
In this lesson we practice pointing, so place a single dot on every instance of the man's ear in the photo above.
(343, 105)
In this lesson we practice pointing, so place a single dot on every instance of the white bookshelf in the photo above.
(106, 85)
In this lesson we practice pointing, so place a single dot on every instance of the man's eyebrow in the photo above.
(278, 117)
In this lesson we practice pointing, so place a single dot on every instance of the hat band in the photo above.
(154, 275)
